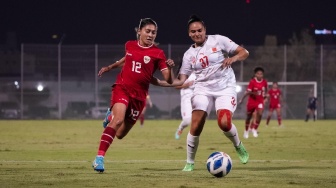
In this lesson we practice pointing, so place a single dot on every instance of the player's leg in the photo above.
(308, 114)
(278, 111)
(270, 112)
(198, 118)
(225, 106)
(142, 116)
(118, 112)
(249, 114)
(313, 113)
(108, 115)
(257, 121)
(186, 110)
(133, 112)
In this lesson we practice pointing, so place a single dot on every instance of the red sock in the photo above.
(255, 125)
(106, 140)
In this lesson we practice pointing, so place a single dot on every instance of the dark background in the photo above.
(113, 21)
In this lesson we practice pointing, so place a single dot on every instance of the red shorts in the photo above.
(251, 107)
(274, 106)
(134, 106)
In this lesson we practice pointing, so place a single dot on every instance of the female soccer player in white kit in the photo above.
(215, 81)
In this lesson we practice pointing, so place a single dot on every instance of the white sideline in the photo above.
(159, 161)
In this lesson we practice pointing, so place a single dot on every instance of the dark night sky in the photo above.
(113, 21)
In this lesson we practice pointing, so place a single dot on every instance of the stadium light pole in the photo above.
(59, 77)
(95, 75)
(321, 83)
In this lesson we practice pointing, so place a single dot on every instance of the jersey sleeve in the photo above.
(226, 44)
(162, 61)
(186, 67)
(250, 86)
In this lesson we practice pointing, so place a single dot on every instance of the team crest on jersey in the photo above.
(147, 59)
(193, 60)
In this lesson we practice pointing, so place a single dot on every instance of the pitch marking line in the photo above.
(163, 161)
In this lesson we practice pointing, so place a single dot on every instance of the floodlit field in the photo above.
(60, 153)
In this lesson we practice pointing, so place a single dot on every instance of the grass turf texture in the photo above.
(60, 153)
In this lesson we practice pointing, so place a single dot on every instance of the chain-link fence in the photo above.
(60, 81)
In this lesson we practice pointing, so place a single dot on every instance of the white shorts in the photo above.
(226, 99)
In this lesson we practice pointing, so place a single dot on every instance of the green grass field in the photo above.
(60, 153)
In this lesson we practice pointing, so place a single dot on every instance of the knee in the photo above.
(224, 120)
(120, 136)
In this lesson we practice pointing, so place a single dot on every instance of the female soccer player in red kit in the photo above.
(274, 96)
(129, 92)
(256, 91)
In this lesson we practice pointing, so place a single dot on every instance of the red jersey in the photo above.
(274, 95)
(258, 89)
(140, 65)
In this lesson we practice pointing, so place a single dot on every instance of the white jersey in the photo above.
(206, 61)
(189, 90)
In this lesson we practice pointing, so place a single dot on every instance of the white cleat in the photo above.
(255, 133)
(246, 134)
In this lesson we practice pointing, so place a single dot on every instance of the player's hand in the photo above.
(102, 70)
(170, 63)
(228, 61)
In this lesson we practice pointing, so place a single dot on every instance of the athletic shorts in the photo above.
(251, 107)
(311, 107)
(134, 106)
(274, 106)
(226, 99)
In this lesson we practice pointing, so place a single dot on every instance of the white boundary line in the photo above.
(163, 161)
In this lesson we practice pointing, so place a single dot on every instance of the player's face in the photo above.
(259, 75)
(197, 33)
(147, 35)
(275, 86)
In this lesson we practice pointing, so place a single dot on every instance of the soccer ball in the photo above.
(219, 164)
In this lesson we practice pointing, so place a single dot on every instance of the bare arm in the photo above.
(185, 85)
(167, 74)
(245, 94)
(149, 100)
(176, 82)
(240, 55)
(117, 64)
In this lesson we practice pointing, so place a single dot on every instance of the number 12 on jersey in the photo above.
(136, 66)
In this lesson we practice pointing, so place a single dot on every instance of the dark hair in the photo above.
(146, 21)
(258, 69)
(194, 18)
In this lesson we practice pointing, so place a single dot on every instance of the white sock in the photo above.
(232, 134)
(184, 123)
(192, 145)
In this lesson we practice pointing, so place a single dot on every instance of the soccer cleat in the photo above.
(98, 164)
(242, 153)
(255, 133)
(246, 134)
(188, 167)
(107, 118)
(177, 134)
